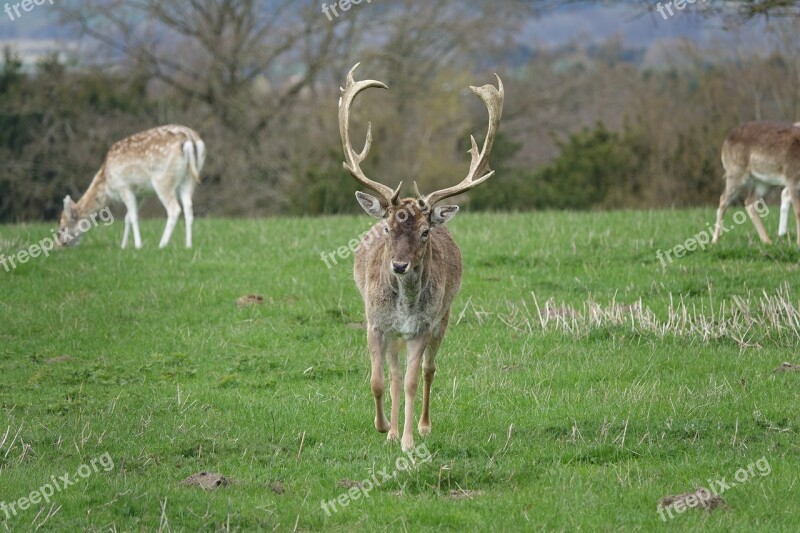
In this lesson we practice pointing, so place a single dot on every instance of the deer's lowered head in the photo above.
(69, 230)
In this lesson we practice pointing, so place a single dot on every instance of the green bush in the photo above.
(596, 168)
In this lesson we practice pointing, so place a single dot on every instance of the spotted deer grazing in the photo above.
(409, 275)
(757, 156)
(167, 159)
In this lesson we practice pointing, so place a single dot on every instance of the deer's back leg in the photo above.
(166, 193)
(186, 190)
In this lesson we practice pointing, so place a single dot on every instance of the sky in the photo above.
(36, 32)
(601, 22)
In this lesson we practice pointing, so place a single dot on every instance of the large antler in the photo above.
(352, 160)
(493, 98)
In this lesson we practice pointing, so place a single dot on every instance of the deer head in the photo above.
(408, 222)
(69, 232)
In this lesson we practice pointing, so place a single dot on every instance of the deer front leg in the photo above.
(723, 206)
(416, 348)
(396, 381)
(126, 231)
(376, 340)
(132, 216)
(726, 198)
(428, 372)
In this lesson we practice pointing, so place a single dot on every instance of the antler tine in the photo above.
(479, 164)
(353, 160)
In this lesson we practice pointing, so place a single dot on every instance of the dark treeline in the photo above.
(586, 126)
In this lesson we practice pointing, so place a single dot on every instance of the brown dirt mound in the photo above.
(207, 480)
(250, 299)
(701, 498)
(58, 359)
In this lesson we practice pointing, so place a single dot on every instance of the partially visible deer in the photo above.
(167, 159)
(786, 204)
(409, 275)
(756, 156)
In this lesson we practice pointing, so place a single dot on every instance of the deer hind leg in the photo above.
(416, 349)
(186, 190)
(749, 206)
(376, 341)
(131, 217)
(396, 381)
(166, 193)
(428, 372)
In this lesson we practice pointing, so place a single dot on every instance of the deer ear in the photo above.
(442, 214)
(371, 205)
(68, 205)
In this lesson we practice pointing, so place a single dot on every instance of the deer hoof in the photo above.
(424, 429)
(393, 436)
(381, 425)
(407, 444)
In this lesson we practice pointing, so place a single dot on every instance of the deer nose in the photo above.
(399, 268)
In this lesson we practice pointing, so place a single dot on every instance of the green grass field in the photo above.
(579, 383)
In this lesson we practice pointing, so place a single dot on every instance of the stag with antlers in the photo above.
(409, 276)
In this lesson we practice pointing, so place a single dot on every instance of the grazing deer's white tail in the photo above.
(195, 152)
